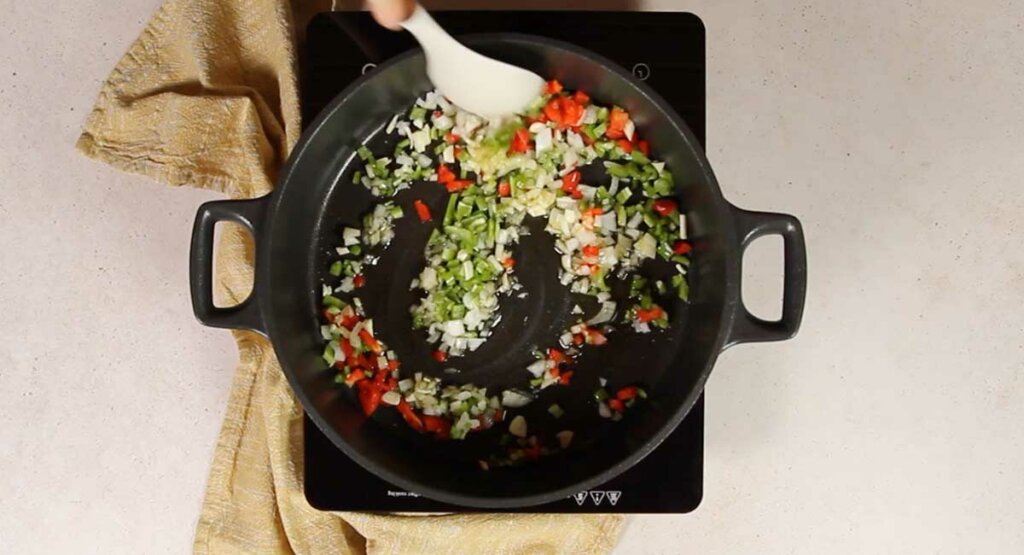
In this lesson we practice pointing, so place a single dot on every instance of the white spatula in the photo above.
(472, 81)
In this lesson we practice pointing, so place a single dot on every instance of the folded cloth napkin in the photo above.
(207, 97)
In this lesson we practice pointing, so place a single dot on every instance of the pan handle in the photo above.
(746, 327)
(246, 314)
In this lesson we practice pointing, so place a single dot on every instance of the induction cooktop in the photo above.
(665, 49)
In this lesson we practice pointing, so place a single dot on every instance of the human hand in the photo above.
(391, 13)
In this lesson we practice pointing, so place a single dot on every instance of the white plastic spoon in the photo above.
(473, 81)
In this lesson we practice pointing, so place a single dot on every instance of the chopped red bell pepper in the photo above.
(431, 423)
(650, 314)
(592, 251)
(617, 123)
(626, 393)
(533, 452)
(571, 112)
(440, 356)
(456, 152)
(458, 185)
(520, 140)
(346, 348)
(446, 430)
(572, 179)
(499, 415)
(393, 364)
(553, 110)
(422, 210)
(350, 320)
(358, 361)
(380, 375)
(644, 147)
(504, 189)
(681, 247)
(665, 206)
(451, 138)
(625, 145)
(570, 184)
(581, 98)
(557, 356)
(595, 337)
(509, 262)
(444, 175)
(369, 396)
(616, 405)
(359, 280)
(436, 425)
(410, 416)
(554, 87)
(565, 378)
(370, 341)
(355, 376)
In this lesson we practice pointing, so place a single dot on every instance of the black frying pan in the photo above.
(298, 225)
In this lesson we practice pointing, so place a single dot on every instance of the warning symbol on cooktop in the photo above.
(597, 497)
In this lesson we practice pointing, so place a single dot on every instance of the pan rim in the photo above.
(730, 288)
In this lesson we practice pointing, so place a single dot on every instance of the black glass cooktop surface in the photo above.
(665, 49)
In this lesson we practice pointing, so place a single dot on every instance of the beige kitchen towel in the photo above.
(207, 97)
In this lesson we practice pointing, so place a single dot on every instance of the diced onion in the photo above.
(518, 426)
(350, 236)
(543, 140)
(515, 399)
(420, 140)
(428, 278)
(646, 246)
(391, 397)
(538, 368)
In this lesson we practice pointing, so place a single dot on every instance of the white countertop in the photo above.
(892, 424)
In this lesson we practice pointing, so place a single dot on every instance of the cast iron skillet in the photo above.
(297, 226)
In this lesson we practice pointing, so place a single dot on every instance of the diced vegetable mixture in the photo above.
(499, 174)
